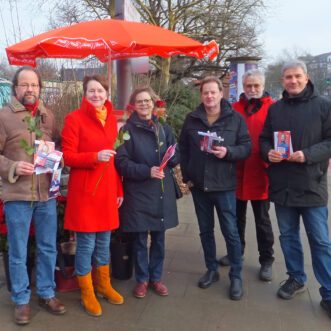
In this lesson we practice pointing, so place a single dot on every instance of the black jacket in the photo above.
(145, 206)
(308, 117)
(206, 171)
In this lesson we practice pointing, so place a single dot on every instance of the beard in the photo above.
(25, 100)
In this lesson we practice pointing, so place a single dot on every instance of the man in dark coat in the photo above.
(252, 175)
(298, 185)
(210, 172)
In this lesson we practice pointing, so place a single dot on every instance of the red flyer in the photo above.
(167, 156)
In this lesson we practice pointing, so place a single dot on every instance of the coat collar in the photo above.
(200, 112)
(136, 120)
(253, 105)
(88, 109)
(16, 106)
(306, 94)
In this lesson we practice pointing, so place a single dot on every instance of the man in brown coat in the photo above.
(25, 195)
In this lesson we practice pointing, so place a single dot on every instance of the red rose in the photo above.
(160, 103)
(130, 108)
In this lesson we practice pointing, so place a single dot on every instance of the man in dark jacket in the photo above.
(210, 172)
(298, 185)
(252, 175)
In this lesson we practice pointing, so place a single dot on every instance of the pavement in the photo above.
(188, 307)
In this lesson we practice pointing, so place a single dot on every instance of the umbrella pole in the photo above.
(109, 75)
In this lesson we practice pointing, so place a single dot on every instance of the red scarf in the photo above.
(32, 107)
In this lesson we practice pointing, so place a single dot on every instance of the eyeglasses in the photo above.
(140, 102)
(26, 86)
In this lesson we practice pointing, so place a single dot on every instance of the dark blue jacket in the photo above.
(145, 206)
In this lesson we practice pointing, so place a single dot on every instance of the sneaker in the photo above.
(140, 290)
(159, 288)
(290, 288)
(326, 305)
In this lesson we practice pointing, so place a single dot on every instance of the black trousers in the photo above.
(264, 234)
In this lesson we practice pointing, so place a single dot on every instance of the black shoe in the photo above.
(326, 305)
(290, 288)
(266, 272)
(236, 289)
(224, 261)
(209, 277)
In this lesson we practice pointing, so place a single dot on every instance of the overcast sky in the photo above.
(301, 25)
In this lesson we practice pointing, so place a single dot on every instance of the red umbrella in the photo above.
(107, 39)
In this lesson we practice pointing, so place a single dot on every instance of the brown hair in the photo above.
(15, 78)
(141, 89)
(99, 78)
(211, 79)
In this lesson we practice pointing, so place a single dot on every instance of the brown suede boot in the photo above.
(89, 301)
(104, 288)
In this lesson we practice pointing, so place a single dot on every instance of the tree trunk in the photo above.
(165, 73)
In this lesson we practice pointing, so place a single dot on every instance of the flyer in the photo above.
(209, 140)
(167, 156)
(46, 158)
(283, 143)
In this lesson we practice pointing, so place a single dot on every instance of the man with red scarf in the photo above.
(25, 195)
(252, 176)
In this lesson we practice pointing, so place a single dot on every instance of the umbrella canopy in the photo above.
(108, 40)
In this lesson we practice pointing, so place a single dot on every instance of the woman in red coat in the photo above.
(87, 144)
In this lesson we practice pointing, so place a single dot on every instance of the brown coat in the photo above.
(12, 130)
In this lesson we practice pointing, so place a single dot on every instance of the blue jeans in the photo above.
(145, 271)
(92, 247)
(18, 218)
(315, 220)
(225, 204)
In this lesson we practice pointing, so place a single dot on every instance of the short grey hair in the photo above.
(294, 64)
(254, 73)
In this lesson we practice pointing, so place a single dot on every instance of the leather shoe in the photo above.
(236, 289)
(266, 272)
(209, 277)
(22, 314)
(52, 305)
(140, 290)
(159, 287)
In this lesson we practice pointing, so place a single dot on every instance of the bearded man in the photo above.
(252, 174)
(26, 196)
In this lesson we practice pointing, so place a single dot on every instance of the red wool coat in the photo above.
(83, 136)
(252, 176)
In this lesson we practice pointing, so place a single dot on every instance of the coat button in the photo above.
(156, 150)
(162, 219)
(206, 188)
(161, 197)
